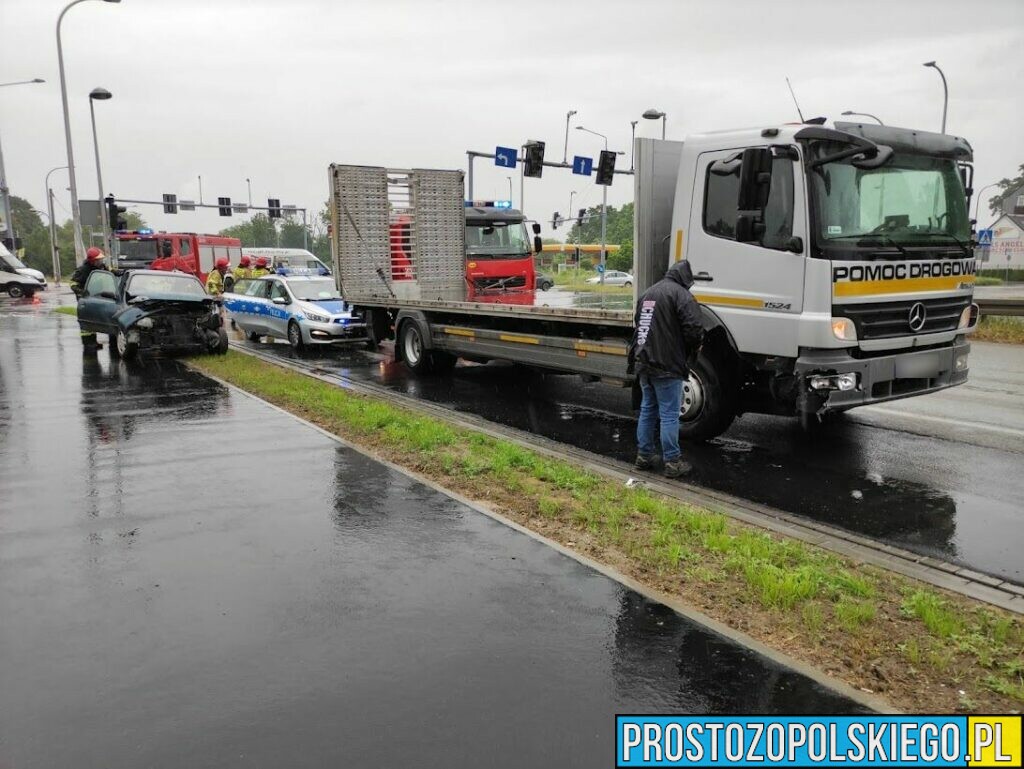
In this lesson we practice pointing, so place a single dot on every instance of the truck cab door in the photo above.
(756, 289)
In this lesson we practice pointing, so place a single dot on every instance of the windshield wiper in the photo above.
(954, 238)
(885, 238)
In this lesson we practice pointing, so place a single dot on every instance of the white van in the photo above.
(289, 257)
(17, 279)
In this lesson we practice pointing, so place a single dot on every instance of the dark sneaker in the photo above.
(644, 463)
(677, 467)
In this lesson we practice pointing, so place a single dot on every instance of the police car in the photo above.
(298, 305)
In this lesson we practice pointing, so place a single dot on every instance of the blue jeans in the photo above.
(662, 396)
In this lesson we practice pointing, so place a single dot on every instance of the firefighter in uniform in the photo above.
(244, 269)
(93, 261)
(215, 280)
(261, 267)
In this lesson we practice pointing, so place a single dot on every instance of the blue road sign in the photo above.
(505, 157)
(582, 166)
(985, 238)
(600, 268)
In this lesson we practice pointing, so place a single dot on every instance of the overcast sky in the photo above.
(275, 90)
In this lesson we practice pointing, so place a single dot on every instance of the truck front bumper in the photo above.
(881, 378)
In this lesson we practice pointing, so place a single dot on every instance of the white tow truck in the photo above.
(835, 268)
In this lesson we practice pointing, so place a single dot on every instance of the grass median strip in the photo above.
(1000, 328)
(923, 650)
(66, 310)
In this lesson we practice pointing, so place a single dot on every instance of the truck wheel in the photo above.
(295, 336)
(15, 291)
(414, 352)
(708, 404)
(125, 349)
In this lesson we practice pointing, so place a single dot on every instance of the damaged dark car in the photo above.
(151, 311)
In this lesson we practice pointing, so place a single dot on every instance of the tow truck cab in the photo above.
(499, 252)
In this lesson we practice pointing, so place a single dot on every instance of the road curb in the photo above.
(871, 701)
(946, 576)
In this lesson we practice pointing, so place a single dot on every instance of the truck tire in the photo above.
(417, 357)
(708, 404)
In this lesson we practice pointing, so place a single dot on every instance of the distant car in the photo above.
(613, 278)
(142, 310)
(544, 282)
(17, 279)
(303, 309)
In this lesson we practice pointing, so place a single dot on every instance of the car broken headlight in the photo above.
(146, 323)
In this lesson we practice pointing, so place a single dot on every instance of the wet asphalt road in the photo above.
(191, 578)
(939, 475)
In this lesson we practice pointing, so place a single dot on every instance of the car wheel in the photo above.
(707, 407)
(222, 342)
(628, 283)
(125, 349)
(252, 336)
(295, 336)
(15, 291)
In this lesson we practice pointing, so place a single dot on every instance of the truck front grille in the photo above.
(489, 284)
(882, 320)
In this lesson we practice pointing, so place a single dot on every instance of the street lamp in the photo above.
(53, 226)
(632, 143)
(565, 152)
(977, 201)
(100, 94)
(945, 91)
(604, 202)
(5, 193)
(863, 114)
(248, 184)
(654, 114)
(76, 214)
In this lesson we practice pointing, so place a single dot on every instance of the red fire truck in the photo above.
(183, 251)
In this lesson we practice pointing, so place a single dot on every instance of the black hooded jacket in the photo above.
(667, 327)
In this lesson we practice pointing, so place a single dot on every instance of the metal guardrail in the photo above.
(1001, 306)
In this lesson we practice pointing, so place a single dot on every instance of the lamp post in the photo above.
(604, 202)
(654, 114)
(863, 114)
(509, 189)
(100, 94)
(632, 143)
(5, 193)
(53, 226)
(945, 91)
(565, 152)
(76, 214)
(248, 184)
(977, 201)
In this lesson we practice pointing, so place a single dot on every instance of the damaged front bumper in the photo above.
(834, 380)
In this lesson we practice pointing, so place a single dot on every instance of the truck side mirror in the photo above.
(536, 228)
(755, 185)
(538, 244)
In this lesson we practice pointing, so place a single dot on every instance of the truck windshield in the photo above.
(137, 249)
(497, 240)
(913, 200)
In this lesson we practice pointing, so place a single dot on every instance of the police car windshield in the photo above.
(155, 285)
(314, 290)
(912, 200)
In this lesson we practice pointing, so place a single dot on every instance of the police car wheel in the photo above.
(295, 336)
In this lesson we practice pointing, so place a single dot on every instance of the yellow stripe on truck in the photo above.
(519, 339)
(679, 245)
(906, 285)
(585, 347)
(459, 332)
(732, 301)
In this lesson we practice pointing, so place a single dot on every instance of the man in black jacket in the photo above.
(667, 337)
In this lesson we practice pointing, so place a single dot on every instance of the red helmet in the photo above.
(222, 263)
(245, 261)
(94, 254)
(261, 261)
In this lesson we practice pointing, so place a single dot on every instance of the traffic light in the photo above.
(224, 206)
(274, 204)
(116, 214)
(606, 168)
(580, 216)
(556, 220)
(170, 204)
(533, 166)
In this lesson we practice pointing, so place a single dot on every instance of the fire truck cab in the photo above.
(183, 251)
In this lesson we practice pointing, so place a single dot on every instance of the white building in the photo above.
(1007, 244)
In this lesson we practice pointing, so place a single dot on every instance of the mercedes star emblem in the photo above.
(918, 315)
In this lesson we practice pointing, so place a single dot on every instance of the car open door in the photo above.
(98, 303)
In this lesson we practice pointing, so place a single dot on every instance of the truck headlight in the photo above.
(843, 329)
(969, 316)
